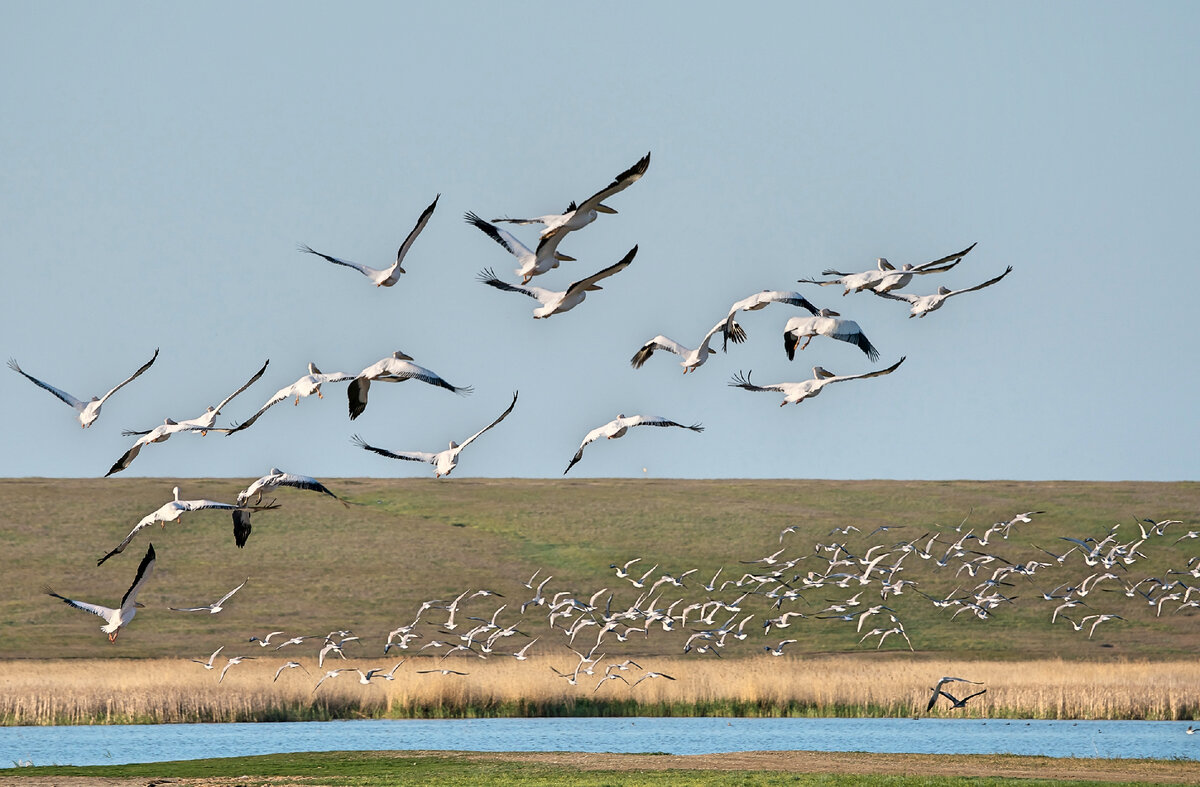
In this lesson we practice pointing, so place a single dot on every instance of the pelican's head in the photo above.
(312, 368)
(828, 313)
(400, 355)
(943, 291)
(453, 444)
(176, 491)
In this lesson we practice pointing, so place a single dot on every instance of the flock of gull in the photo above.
(765, 599)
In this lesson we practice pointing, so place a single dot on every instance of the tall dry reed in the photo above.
(169, 690)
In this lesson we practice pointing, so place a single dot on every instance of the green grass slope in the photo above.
(314, 565)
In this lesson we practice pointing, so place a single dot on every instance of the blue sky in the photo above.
(163, 163)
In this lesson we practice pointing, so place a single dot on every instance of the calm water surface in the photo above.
(115, 744)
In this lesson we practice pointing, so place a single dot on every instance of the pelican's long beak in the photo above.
(602, 208)
(563, 258)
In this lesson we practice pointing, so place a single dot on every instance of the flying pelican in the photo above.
(692, 359)
(307, 385)
(289, 665)
(795, 393)
(759, 300)
(942, 682)
(576, 217)
(388, 276)
(533, 263)
(924, 304)
(171, 512)
(443, 461)
(825, 324)
(205, 422)
(216, 606)
(619, 426)
(887, 277)
(396, 368)
(208, 665)
(88, 411)
(554, 301)
(117, 618)
(277, 478)
(158, 434)
(233, 661)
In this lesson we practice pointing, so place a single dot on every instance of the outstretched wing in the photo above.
(131, 377)
(145, 569)
(246, 385)
(656, 420)
(590, 281)
(62, 395)
(505, 239)
(126, 458)
(949, 258)
(488, 277)
(987, 283)
(620, 183)
(849, 331)
(878, 373)
(363, 269)
(601, 431)
(412, 236)
(503, 415)
(411, 456)
(743, 381)
(95, 609)
(397, 371)
(659, 342)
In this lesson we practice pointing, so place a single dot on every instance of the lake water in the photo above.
(115, 744)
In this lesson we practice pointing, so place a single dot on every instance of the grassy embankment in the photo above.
(315, 566)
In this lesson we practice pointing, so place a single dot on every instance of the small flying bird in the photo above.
(171, 512)
(650, 676)
(396, 368)
(216, 606)
(578, 216)
(116, 619)
(619, 426)
(942, 682)
(442, 671)
(887, 277)
(778, 649)
(307, 385)
(443, 461)
(956, 702)
(924, 304)
(290, 665)
(235, 660)
(760, 300)
(825, 324)
(205, 422)
(385, 277)
(88, 411)
(556, 302)
(795, 393)
(692, 359)
(533, 263)
(331, 674)
(208, 665)
(264, 641)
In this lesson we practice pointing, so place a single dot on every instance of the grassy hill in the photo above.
(315, 566)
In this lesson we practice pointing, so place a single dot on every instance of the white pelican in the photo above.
(576, 217)
(117, 618)
(216, 606)
(554, 301)
(795, 393)
(942, 682)
(396, 368)
(619, 426)
(759, 300)
(886, 277)
(307, 385)
(388, 276)
(88, 411)
(277, 478)
(924, 304)
(825, 324)
(208, 665)
(533, 263)
(206, 421)
(171, 512)
(692, 359)
(234, 661)
(158, 434)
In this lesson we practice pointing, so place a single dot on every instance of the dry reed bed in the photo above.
(171, 690)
